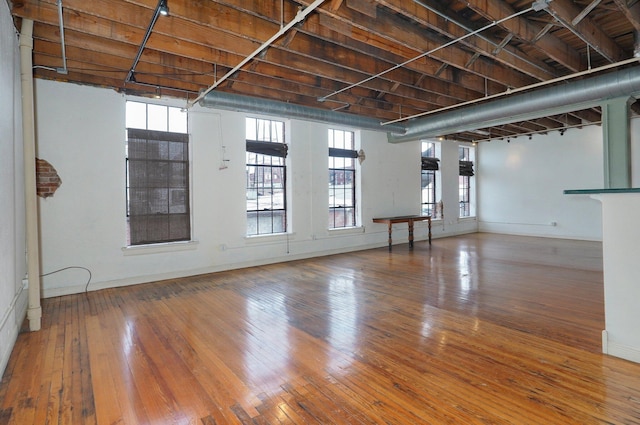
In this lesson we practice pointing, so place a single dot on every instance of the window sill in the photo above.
(157, 248)
(347, 230)
(269, 238)
(472, 218)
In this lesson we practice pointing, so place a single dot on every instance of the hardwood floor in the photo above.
(477, 329)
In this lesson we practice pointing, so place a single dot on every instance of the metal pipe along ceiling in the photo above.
(62, 70)
(234, 102)
(555, 100)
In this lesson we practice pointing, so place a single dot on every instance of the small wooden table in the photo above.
(409, 219)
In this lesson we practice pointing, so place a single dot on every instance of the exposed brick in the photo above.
(47, 179)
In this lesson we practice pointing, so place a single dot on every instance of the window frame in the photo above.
(171, 159)
(346, 149)
(430, 206)
(466, 157)
(266, 161)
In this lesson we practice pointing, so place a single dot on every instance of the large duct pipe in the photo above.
(555, 100)
(34, 310)
(234, 102)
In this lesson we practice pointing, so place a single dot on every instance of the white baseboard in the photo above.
(10, 326)
(615, 349)
(624, 352)
(95, 286)
(536, 231)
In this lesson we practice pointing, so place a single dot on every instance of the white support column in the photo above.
(620, 236)
(34, 310)
(617, 143)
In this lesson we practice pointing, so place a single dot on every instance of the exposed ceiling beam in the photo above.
(482, 44)
(631, 11)
(566, 12)
(528, 32)
(392, 31)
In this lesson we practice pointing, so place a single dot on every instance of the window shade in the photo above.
(343, 153)
(158, 174)
(466, 168)
(430, 163)
(268, 148)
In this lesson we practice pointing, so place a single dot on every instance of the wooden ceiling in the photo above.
(340, 43)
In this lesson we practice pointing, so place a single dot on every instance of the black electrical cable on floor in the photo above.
(86, 287)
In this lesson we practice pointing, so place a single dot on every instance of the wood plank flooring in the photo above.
(477, 329)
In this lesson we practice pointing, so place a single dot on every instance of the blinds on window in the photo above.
(268, 148)
(430, 163)
(466, 168)
(158, 186)
(343, 153)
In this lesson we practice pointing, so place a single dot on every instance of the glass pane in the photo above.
(158, 201)
(265, 222)
(138, 201)
(178, 201)
(428, 149)
(177, 120)
(348, 140)
(342, 217)
(177, 151)
(158, 174)
(136, 115)
(278, 131)
(178, 175)
(179, 227)
(250, 129)
(157, 117)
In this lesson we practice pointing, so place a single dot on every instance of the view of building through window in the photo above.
(342, 179)
(464, 181)
(266, 177)
(430, 179)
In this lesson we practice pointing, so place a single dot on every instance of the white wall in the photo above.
(621, 232)
(521, 184)
(81, 132)
(13, 299)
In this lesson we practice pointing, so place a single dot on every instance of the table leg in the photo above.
(429, 222)
(390, 227)
(410, 223)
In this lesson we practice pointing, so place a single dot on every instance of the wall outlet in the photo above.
(554, 223)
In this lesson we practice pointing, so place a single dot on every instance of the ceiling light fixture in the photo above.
(163, 9)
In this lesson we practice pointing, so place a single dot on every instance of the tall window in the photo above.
(342, 179)
(429, 179)
(266, 175)
(157, 174)
(464, 180)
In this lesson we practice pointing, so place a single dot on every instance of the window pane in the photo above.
(158, 187)
(250, 129)
(429, 181)
(277, 131)
(157, 117)
(342, 188)
(265, 179)
(136, 115)
(265, 222)
(177, 120)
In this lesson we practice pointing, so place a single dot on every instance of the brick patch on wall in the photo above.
(47, 179)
